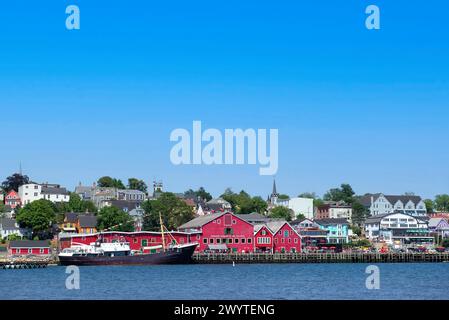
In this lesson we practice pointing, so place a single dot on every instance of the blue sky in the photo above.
(370, 108)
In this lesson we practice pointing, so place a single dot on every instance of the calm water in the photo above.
(272, 281)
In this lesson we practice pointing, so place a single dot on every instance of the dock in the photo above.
(251, 258)
(24, 263)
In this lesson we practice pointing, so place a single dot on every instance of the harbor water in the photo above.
(407, 281)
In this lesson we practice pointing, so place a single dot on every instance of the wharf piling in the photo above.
(249, 258)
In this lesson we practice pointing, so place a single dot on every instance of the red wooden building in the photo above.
(222, 231)
(285, 238)
(29, 247)
(263, 238)
(12, 199)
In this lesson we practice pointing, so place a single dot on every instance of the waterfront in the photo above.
(225, 282)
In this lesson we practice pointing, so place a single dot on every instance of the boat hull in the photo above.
(180, 256)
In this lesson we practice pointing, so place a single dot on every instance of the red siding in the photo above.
(287, 240)
(260, 240)
(26, 251)
(240, 239)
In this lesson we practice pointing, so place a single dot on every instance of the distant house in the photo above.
(213, 206)
(131, 195)
(87, 224)
(10, 227)
(101, 196)
(85, 192)
(379, 204)
(79, 223)
(31, 192)
(13, 200)
(299, 206)
(439, 226)
(334, 210)
(29, 247)
(337, 229)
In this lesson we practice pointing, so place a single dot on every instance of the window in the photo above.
(135, 240)
(243, 240)
(17, 250)
(218, 221)
(42, 251)
(236, 240)
(230, 241)
(264, 232)
(296, 240)
(30, 250)
(228, 231)
(205, 240)
(144, 242)
(234, 222)
(211, 240)
(286, 233)
(249, 240)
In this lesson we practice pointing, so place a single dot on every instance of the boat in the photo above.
(118, 252)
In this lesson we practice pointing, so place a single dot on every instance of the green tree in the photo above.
(200, 193)
(359, 213)
(136, 184)
(243, 203)
(174, 212)
(429, 205)
(108, 182)
(344, 193)
(38, 215)
(14, 181)
(114, 219)
(442, 202)
(308, 195)
(283, 197)
(281, 213)
(75, 203)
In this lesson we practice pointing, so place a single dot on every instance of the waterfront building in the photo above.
(263, 239)
(222, 231)
(337, 230)
(29, 247)
(334, 210)
(380, 204)
(285, 238)
(398, 229)
(439, 227)
(31, 192)
(13, 200)
(312, 235)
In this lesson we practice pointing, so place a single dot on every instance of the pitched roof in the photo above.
(125, 205)
(275, 226)
(54, 190)
(71, 217)
(366, 199)
(88, 221)
(253, 217)
(201, 221)
(8, 224)
(29, 244)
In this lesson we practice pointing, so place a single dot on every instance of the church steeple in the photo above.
(274, 194)
(274, 188)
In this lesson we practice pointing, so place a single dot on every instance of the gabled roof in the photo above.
(253, 217)
(366, 199)
(201, 220)
(54, 190)
(434, 222)
(88, 221)
(8, 224)
(71, 217)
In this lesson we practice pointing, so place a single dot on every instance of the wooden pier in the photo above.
(23, 264)
(202, 258)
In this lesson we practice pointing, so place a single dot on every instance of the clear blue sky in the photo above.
(370, 108)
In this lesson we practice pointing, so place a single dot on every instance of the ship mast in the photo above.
(162, 231)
